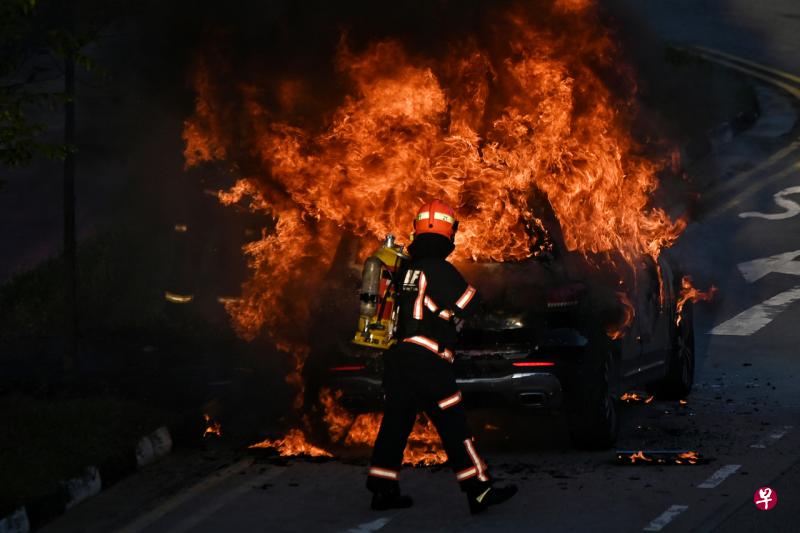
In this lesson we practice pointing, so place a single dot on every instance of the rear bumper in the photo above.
(522, 389)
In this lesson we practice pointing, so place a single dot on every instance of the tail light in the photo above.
(347, 368)
(533, 363)
(566, 296)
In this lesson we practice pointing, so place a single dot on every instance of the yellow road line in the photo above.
(198, 516)
(783, 81)
(214, 479)
(773, 70)
(740, 178)
(791, 89)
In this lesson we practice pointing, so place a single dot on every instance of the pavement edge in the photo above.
(95, 478)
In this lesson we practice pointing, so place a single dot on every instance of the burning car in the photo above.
(525, 101)
(559, 330)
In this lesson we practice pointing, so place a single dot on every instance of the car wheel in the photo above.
(592, 415)
(677, 384)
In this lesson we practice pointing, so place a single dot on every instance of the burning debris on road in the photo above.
(660, 457)
(635, 397)
(292, 445)
(212, 426)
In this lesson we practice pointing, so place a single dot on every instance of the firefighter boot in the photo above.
(486, 494)
(391, 499)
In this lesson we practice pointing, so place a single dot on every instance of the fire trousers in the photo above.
(416, 379)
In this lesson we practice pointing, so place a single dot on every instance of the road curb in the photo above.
(94, 479)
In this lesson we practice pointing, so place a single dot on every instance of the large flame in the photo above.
(542, 105)
(481, 129)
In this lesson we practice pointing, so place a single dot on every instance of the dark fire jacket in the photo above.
(432, 296)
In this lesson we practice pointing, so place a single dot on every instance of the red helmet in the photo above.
(436, 217)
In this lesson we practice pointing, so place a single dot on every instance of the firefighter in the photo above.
(434, 299)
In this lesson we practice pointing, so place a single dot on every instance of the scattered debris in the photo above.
(636, 397)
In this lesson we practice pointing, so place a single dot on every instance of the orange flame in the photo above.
(639, 456)
(293, 444)
(424, 447)
(212, 426)
(663, 458)
(690, 457)
(481, 129)
(635, 397)
(618, 331)
(689, 293)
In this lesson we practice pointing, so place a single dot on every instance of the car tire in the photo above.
(677, 384)
(592, 414)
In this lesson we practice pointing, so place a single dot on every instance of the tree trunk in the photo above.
(70, 310)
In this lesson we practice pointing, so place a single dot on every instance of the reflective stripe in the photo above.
(430, 304)
(432, 345)
(466, 297)
(383, 472)
(424, 341)
(423, 283)
(443, 216)
(479, 464)
(425, 215)
(450, 401)
(446, 314)
(466, 474)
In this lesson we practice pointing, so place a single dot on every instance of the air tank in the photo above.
(370, 284)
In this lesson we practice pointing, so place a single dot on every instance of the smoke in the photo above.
(299, 40)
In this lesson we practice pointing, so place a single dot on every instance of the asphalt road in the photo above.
(742, 415)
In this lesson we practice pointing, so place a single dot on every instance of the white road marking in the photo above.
(182, 497)
(755, 187)
(368, 527)
(197, 517)
(781, 263)
(718, 477)
(772, 438)
(661, 521)
(751, 320)
(791, 208)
